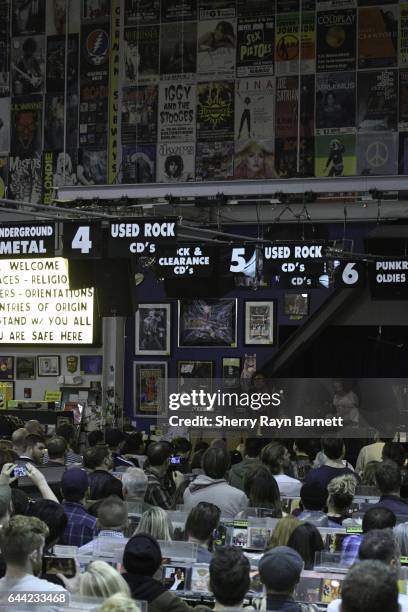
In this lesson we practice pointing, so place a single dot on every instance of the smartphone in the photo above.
(20, 471)
(59, 565)
(175, 460)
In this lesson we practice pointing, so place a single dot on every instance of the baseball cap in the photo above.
(280, 569)
(74, 481)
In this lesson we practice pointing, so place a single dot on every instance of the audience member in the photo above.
(277, 458)
(341, 492)
(81, 527)
(197, 458)
(156, 523)
(34, 427)
(370, 452)
(19, 440)
(279, 571)
(182, 448)
(57, 449)
(95, 437)
(212, 486)
(229, 579)
(313, 499)
(112, 521)
(102, 580)
(22, 543)
(201, 522)
(334, 450)
(34, 449)
(368, 477)
(102, 483)
(388, 478)
(394, 451)
(282, 531)
(134, 449)
(301, 463)
(116, 440)
(262, 490)
(134, 486)
(375, 517)
(119, 603)
(53, 515)
(307, 541)
(68, 432)
(160, 489)
(237, 472)
(141, 560)
(369, 586)
(401, 535)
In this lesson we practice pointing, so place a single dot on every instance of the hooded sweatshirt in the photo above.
(229, 500)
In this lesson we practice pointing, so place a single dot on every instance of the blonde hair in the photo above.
(156, 523)
(119, 603)
(282, 532)
(341, 492)
(102, 580)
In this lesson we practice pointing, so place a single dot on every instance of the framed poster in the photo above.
(6, 393)
(152, 329)
(207, 323)
(6, 368)
(195, 375)
(48, 365)
(25, 368)
(231, 371)
(259, 322)
(150, 379)
(296, 304)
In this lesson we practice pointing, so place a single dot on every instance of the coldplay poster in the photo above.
(336, 40)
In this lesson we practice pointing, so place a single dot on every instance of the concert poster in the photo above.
(254, 108)
(141, 12)
(4, 125)
(215, 111)
(286, 157)
(175, 162)
(216, 9)
(335, 155)
(92, 166)
(4, 67)
(403, 35)
(308, 43)
(214, 160)
(178, 10)
(139, 114)
(56, 63)
(94, 10)
(335, 103)
(255, 159)
(177, 111)
(56, 17)
(287, 44)
(378, 37)
(3, 175)
(216, 48)
(178, 50)
(403, 100)
(377, 99)
(28, 65)
(141, 55)
(26, 126)
(139, 163)
(93, 116)
(25, 178)
(377, 154)
(256, 8)
(255, 46)
(28, 17)
(286, 107)
(336, 40)
(53, 122)
(94, 54)
(59, 169)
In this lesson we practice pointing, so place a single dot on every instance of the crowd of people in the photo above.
(118, 476)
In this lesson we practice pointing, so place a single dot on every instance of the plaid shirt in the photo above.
(349, 549)
(156, 493)
(81, 527)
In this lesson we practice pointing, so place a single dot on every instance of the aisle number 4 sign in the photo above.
(82, 240)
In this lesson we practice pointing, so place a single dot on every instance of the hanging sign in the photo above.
(184, 261)
(130, 237)
(27, 240)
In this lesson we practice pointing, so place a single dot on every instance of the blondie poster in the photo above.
(254, 108)
(286, 108)
(216, 9)
(377, 154)
(140, 12)
(139, 114)
(403, 100)
(403, 35)
(177, 111)
(378, 37)
(255, 159)
(287, 44)
(139, 163)
(93, 116)
(215, 111)
(336, 40)
(255, 46)
(214, 160)
(335, 155)
(377, 100)
(335, 103)
(56, 63)
(178, 10)
(175, 162)
(26, 125)
(178, 50)
(140, 55)
(216, 44)
(28, 65)
(25, 178)
(94, 54)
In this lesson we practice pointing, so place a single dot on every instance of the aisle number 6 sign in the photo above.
(350, 274)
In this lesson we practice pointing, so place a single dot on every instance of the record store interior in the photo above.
(203, 305)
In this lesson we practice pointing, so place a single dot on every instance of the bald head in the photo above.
(18, 439)
(34, 427)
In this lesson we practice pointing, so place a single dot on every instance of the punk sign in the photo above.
(27, 240)
(130, 237)
(184, 261)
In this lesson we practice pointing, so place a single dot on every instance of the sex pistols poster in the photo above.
(255, 46)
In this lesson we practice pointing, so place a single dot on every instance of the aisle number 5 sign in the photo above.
(82, 240)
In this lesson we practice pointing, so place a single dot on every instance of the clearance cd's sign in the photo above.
(27, 240)
(130, 237)
(38, 307)
(184, 261)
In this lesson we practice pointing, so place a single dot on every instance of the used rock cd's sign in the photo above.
(38, 307)
(132, 237)
(27, 240)
(184, 260)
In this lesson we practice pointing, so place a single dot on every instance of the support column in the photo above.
(113, 337)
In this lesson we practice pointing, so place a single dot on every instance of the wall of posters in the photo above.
(335, 103)
(139, 12)
(177, 111)
(175, 162)
(378, 37)
(215, 110)
(377, 100)
(254, 108)
(377, 153)
(336, 40)
(255, 46)
(335, 155)
(287, 43)
(93, 116)
(140, 55)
